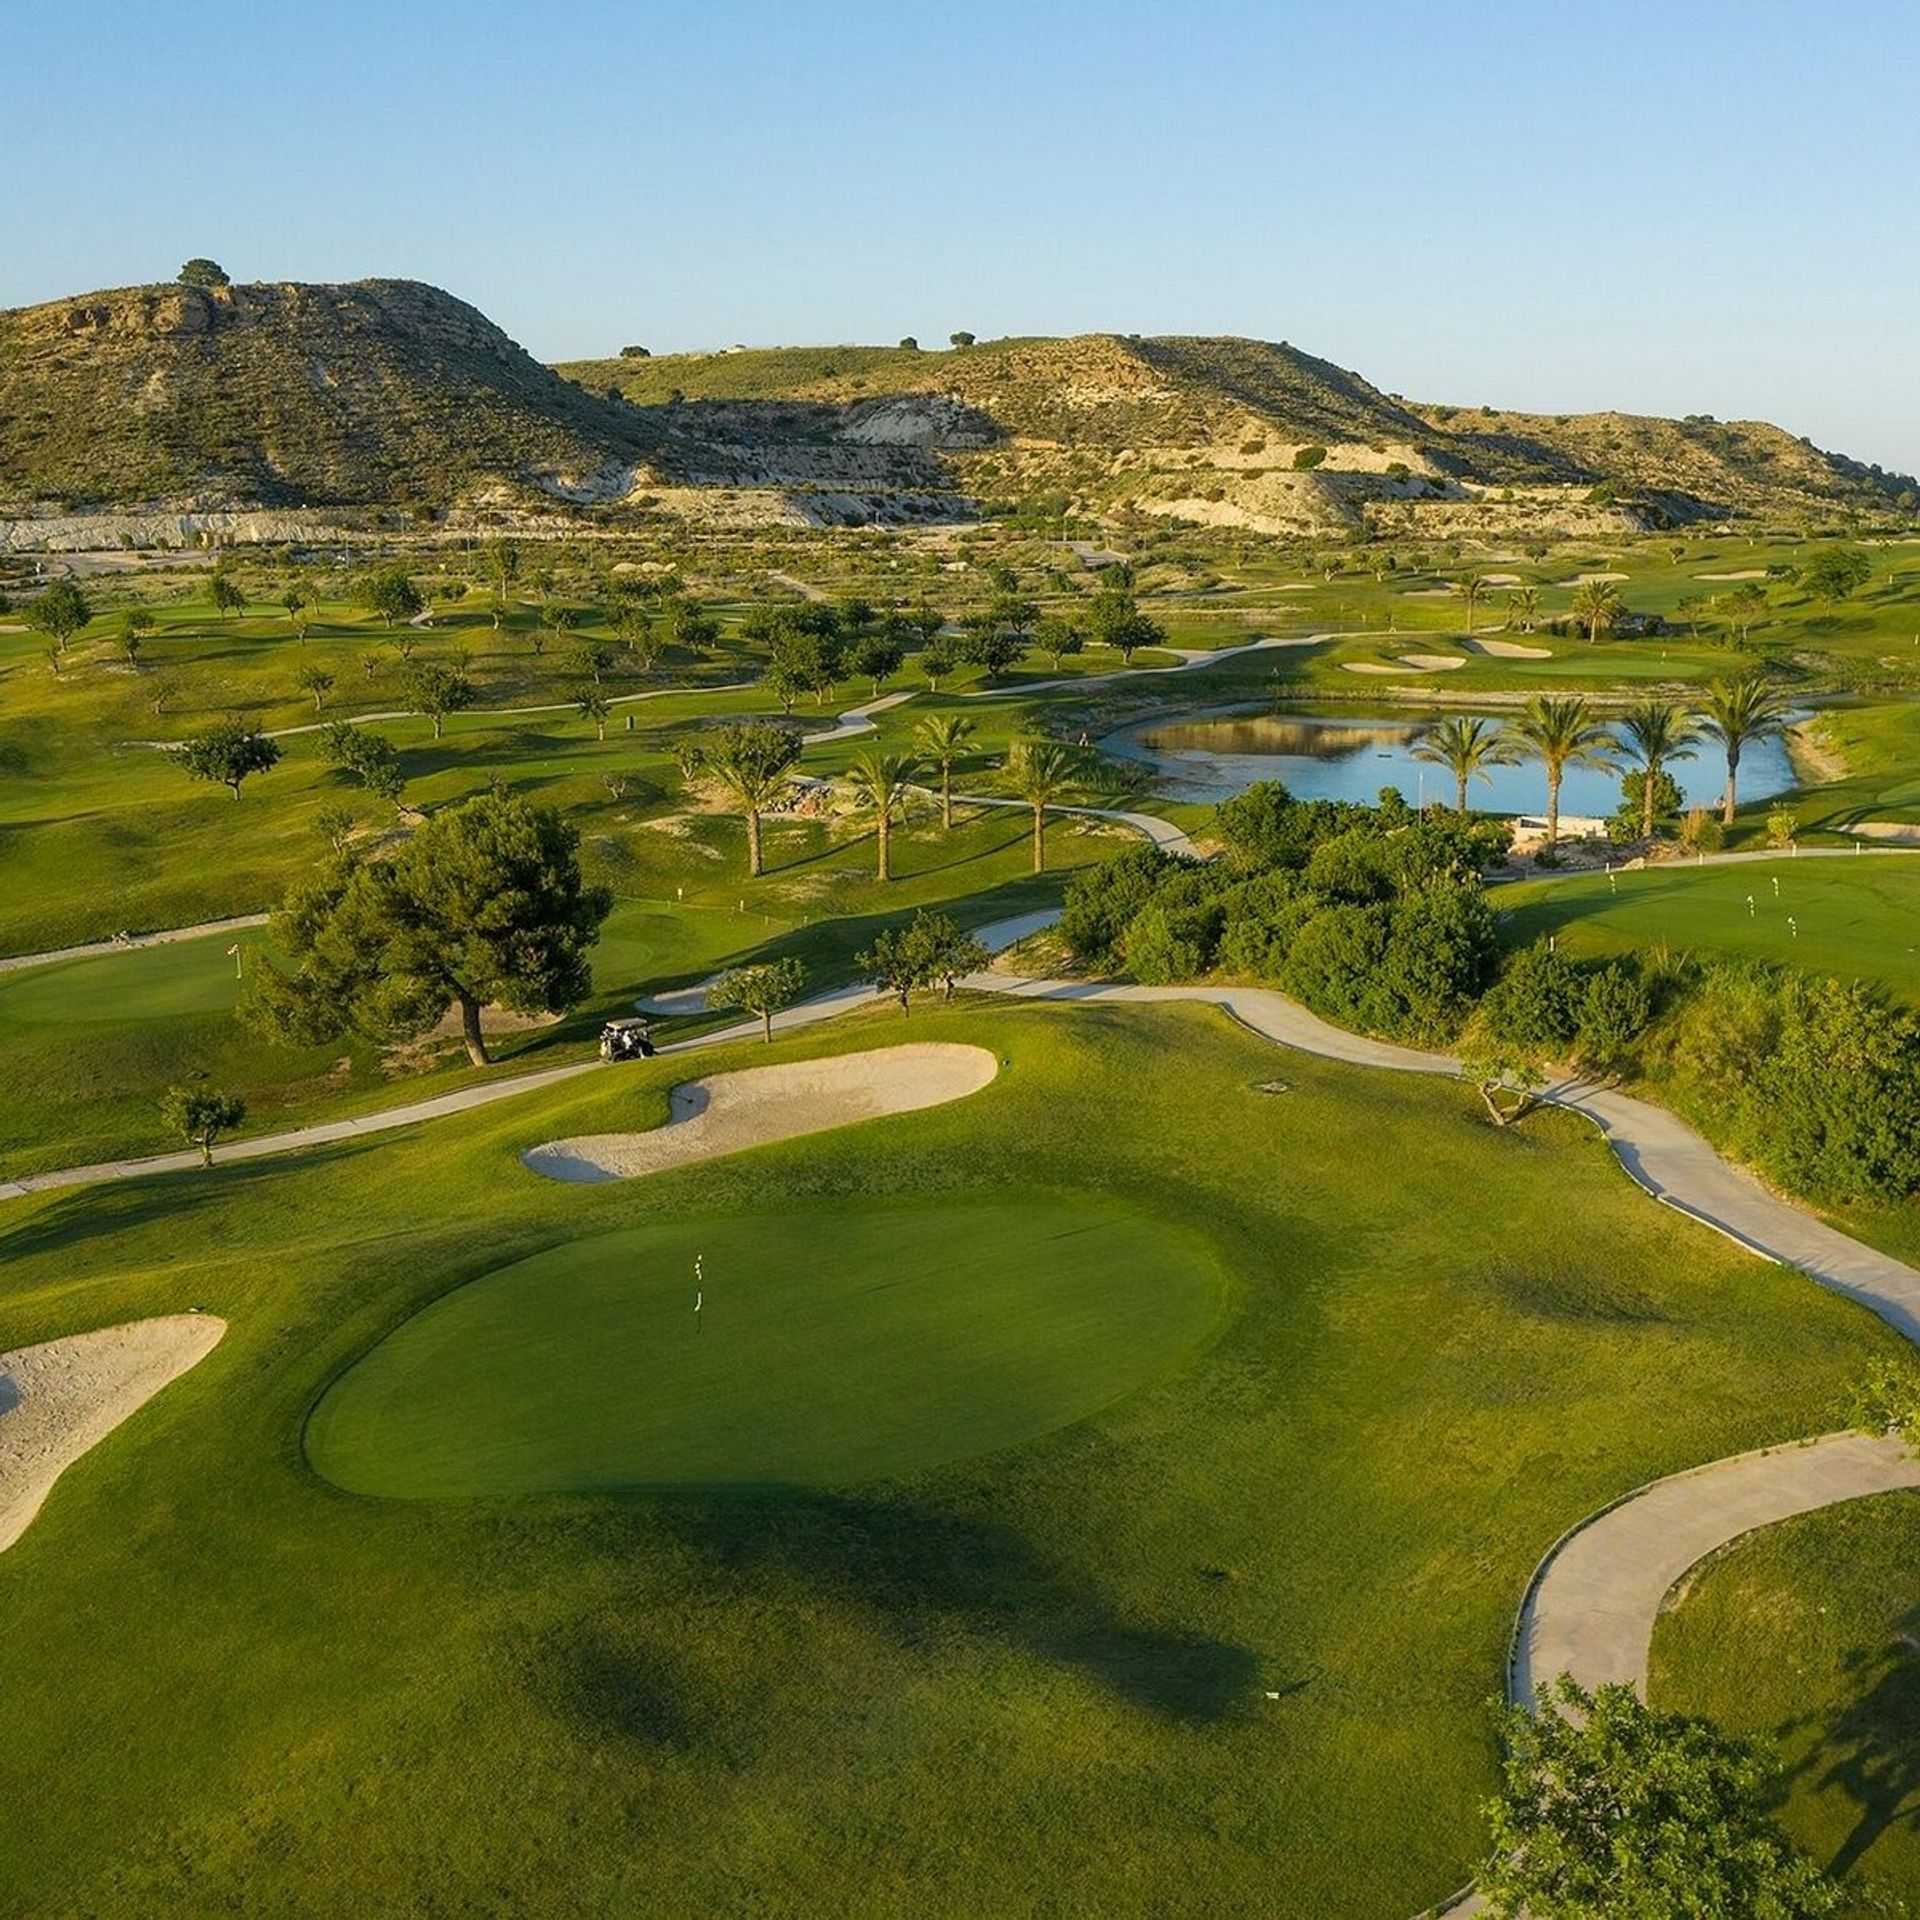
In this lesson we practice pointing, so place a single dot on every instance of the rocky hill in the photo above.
(382, 392)
(1226, 432)
(189, 400)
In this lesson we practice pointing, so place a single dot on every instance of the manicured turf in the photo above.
(1032, 1681)
(833, 1345)
(1830, 1604)
(1857, 917)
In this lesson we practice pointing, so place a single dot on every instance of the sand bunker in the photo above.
(1433, 662)
(60, 1399)
(1900, 832)
(1369, 666)
(1507, 650)
(1594, 579)
(1750, 573)
(728, 1112)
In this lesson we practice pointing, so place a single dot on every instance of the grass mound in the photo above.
(833, 1345)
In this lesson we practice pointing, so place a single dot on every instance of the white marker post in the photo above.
(699, 1288)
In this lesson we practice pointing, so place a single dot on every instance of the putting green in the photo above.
(834, 1345)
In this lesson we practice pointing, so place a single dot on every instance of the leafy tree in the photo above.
(1114, 620)
(1650, 803)
(1043, 773)
(684, 624)
(942, 738)
(989, 641)
(368, 757)
(1745, 604)
(876, 656)
(227, 595)
(296, 604)
(485, 905)
(229, 751)
(1058, 639)
(932, 951)
(1741, 713)
(936, 662)
(202, 272)
(1561, 733)
(762, 991)
(135, 625)
(200, 1115)
(633, 627)
(433, 690)
(60, 612)
(593, 706)
(336, 825)
(316, 681)
(1467, 747)
(591, 658)
(1836, 573)
(390, 593)
(1597, 606)
(1609, 1810)
(880, 784)
(1652, 733)
(503, 571)
(753, 761)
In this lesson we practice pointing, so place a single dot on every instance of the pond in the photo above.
(1351, 756)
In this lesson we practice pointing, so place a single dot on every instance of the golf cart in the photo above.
(629, 1039)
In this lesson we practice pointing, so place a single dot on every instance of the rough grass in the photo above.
(1830, 1598)
(1035, 1682)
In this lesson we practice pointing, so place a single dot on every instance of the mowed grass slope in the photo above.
(1832, 1598)
(807, 1347)
(1854, 916)
(1034, 1681)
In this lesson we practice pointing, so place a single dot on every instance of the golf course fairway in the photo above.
(832, 1345)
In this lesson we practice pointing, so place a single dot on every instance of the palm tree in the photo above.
(1597, 605)
(1467, 748)
(754, 763)
(1561, 733)
(1470, 585)
(881, 783)
(1739, 714)
(943, 738)
(1651, 734)
(1043, 773)
(1523, 604)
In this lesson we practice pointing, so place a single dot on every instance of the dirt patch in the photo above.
(59, 1400)
(729, 1112)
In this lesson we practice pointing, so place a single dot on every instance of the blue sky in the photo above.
(1693, 207)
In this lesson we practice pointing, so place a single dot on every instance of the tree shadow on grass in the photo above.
(921, 1573)
(1870, 1747)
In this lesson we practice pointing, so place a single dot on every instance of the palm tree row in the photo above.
(1566, 732)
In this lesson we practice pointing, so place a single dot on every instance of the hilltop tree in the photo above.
(1560, 733)
(1741, 713)
(880, 784)
(1467, 748)
(433, 690)
(1597, 606)
(761, 991)
(61, 612)
(961, 339)
(1651, 734)
(1609, 1810)
(229, 752)
(200, 1115)
(1042, 773)
(484, 906)
(753, 761)
(202, 272)
(943, 738)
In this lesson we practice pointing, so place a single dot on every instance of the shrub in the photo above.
(1305, 459)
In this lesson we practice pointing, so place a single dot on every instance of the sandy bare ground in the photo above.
(729, 1112)
(61, 1399)
(1507, 650)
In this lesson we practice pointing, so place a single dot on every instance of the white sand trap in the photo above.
(1750, 573)
(1507, 650)
(1592, 579)
(1427, 593)
(1500, 580)
(676, 1000)
(59, 1400)
(728, 1112)
(1369, 666)
(1433, 662)
(1900, 832)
